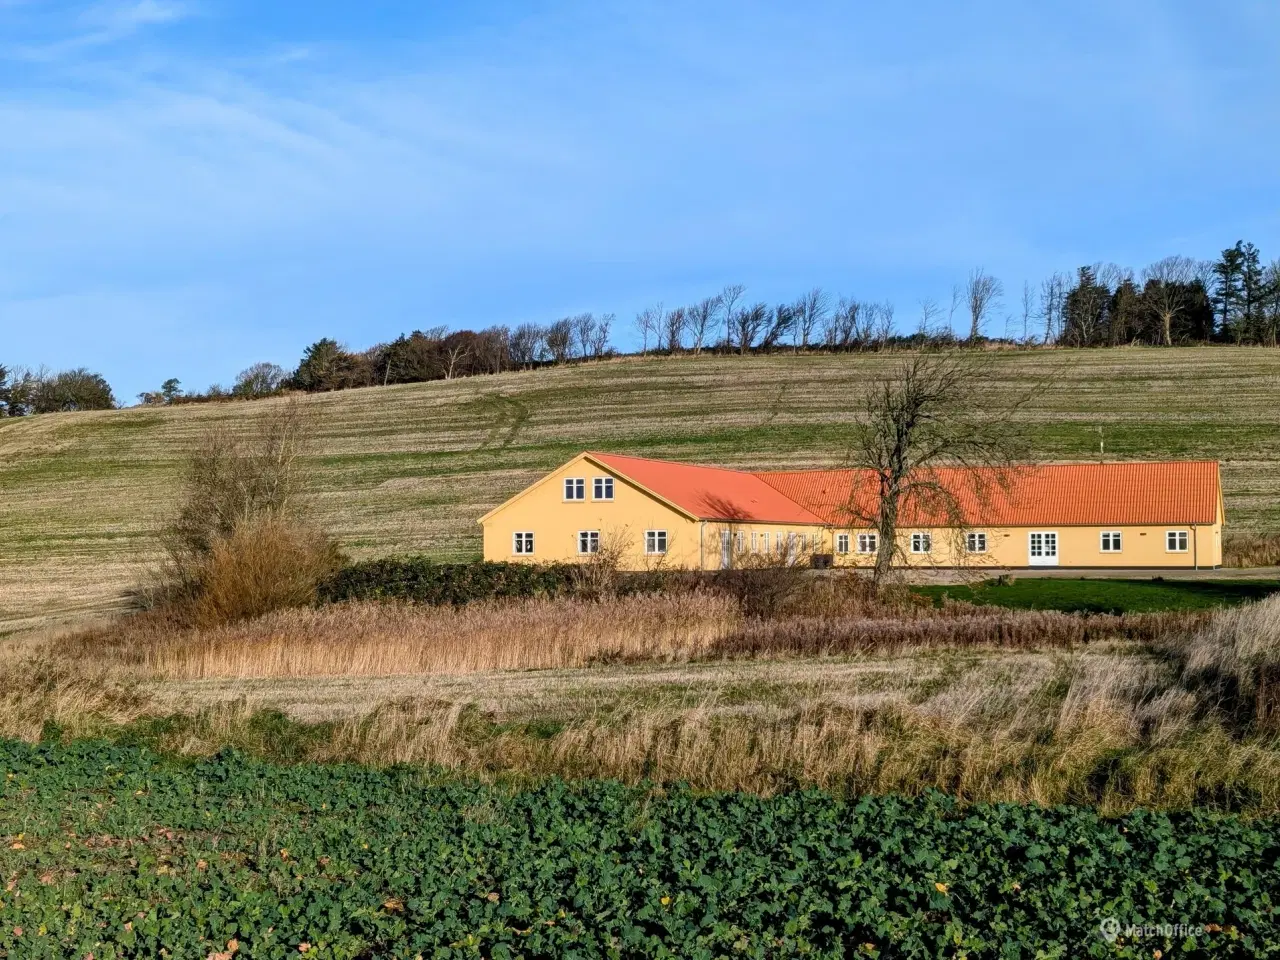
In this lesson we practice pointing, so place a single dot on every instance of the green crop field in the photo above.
(411, 468)
(115, 852)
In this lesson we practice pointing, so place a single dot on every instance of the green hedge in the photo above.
(423, 580)
(118, 852)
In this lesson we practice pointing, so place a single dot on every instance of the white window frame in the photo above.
(921, 543)
(1045, 559)
(764, 542)
(973, 537)
(1181, 540)
(655, 543)
(842, 543)
(591, 538)
(739, 542)
(602, 489)
(575, 489)
(1111, 541)
(868, 543)
(518, 541)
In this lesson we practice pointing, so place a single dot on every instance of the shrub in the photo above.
(423, 580)
(265, 564)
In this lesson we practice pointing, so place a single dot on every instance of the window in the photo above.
(764, 542)
(1175, 541)
(1042, 548)
(522, 543)
(842, 543)
(1111, 541)
(921, 542)
(975, 542)
(755, 546)
(739, 542)
(868, 542)
(602, 488)
(588, 541)
(575, 488)
(655, 541)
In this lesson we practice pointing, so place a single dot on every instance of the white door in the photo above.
(726, 550)
(1042, 548)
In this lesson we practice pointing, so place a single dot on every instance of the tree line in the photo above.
(1177, 300)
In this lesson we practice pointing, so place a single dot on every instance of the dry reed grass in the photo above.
(1114, 724)
(1236, 656)
(383, 639)
(1244, 549)
(379, 639)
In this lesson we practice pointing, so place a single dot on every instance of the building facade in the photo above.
(651, 514)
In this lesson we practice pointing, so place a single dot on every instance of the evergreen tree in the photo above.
(1228, 291)
(1085, 310)
(1253, 293)
(1124, 314)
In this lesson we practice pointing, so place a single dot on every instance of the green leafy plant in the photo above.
(122, 853)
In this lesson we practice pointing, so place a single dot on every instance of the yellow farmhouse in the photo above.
(655, 513)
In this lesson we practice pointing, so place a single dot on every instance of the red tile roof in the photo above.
(710, 493)
(1063, 494)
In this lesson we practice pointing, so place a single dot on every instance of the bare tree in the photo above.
(236, 476)
(674, 324)
(729, 298)
(777, 325)
(930, 448)
(748, 324)
(844, 327)
(929, 314)
(957, 297)
(982, 293)
(583, 329)
(1164, 286)
(1271, 304)
(1028, 308)
(1053, 303)
(494, 345)
(879, 323)
(810, 313)
(453, 356)
(528, 344)
(600, 335)
(559, 340)
(699, 318)
(649, 324)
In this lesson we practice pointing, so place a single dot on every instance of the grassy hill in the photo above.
(410, 468)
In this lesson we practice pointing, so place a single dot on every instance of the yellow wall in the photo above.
(622, 522)
(696, 544)
(1141, 546)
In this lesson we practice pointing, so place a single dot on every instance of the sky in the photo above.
(191, 186)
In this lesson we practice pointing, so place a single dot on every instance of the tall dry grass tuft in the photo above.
(379, 638)
(1251, 550)
(1235, 657)
(1093, 757)
(376, 639)
(956, 626)
(264, 564)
